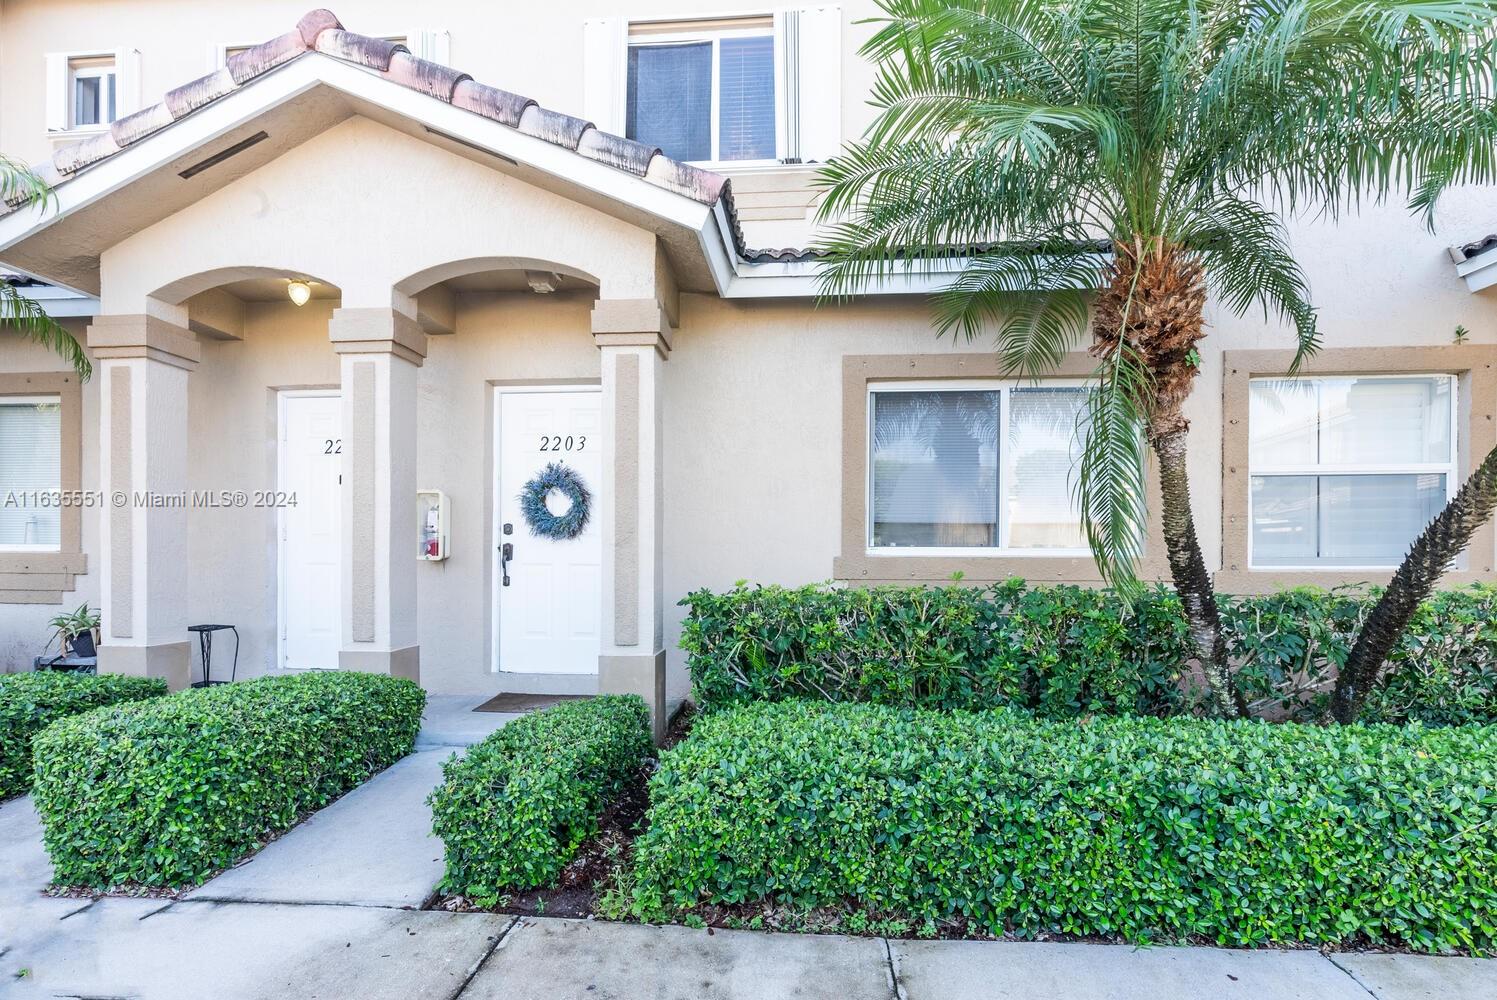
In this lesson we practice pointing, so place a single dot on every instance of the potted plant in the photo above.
(75, 631)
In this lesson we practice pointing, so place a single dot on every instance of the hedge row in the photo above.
(513, 811)
(31, 702)
(1242, 833)
(166, 792)
(1065, 651)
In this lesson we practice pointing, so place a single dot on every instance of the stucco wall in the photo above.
(752, 418)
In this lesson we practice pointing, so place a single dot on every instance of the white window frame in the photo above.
(715, 36)
(1450, 469)
(36, 400)
(1004, 387)
(102, 68)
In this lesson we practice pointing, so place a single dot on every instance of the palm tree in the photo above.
(1157, 144)
(1431, 554)
(21, 186)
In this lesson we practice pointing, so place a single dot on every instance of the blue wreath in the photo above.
(545, 524)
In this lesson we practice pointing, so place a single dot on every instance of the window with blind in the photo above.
(705, 95)
(30, 463)
(975, 466)
(1346, 471)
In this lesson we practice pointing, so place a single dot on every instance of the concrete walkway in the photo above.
(372, 847)
(326, 912)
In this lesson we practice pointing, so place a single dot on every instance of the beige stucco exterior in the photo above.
(735, 439)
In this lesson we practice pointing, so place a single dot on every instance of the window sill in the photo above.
(1266, 581)
(867, 569)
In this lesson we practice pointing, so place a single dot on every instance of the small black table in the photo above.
(205, 647)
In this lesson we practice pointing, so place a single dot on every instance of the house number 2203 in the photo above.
(555, 442)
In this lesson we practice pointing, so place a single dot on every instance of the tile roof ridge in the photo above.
(321, 32)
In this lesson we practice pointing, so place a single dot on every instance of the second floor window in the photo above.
(704, 95)
(91, 85)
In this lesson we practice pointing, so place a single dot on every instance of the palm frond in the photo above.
(32, 322)
(1110, 488)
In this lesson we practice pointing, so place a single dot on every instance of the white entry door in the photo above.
(547, 616)
(311, 531)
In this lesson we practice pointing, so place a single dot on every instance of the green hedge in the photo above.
(1065, 651)
(166, 792)
(1243, 833)
(31, 702)
(513, 811)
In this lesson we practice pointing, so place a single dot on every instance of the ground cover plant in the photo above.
(164, 793)
(30, 702)
(1238, 833)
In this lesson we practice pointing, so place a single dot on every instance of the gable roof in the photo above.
(736, 270)
(320, 31)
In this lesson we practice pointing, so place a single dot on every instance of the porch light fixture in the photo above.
(543, 282)
(299, 291)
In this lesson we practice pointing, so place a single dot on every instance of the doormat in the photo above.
(512, 704)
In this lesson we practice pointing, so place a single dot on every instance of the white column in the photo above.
(143, 364)
(634, 338)
(380, 350)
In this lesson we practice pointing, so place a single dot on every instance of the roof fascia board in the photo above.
(311, 70)
(798, 279)
(60, 303)
(98, 181)
(504, 141)
(1480, 271)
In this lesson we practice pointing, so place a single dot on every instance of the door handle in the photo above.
(506, 553)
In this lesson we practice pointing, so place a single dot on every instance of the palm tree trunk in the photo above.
(1155, 302)
(1192, 580)
(1445, 538)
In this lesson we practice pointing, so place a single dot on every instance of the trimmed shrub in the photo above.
(1242, 833)
(1066, 651)
(166, 792)
(513, 811)
(31, 702)
(1059, 651)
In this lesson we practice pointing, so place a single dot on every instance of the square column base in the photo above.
(170, 661)
(404, 662)
(641, 675)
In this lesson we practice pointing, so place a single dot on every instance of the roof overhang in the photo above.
(107, 201)
(1476, 263)
(228, 137)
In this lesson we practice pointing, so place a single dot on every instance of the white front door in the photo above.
(311, 528)
(547, 615)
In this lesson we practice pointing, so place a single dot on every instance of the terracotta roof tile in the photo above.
(320, 31)
(260, 59)
(189, 97)
(313, 23)
(616, 151)
(374, 53)
(491, 102)
(1466, 251)
(429, 78)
